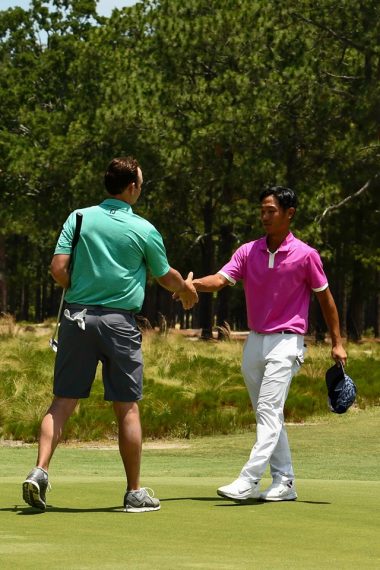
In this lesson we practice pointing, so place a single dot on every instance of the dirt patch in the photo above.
(112, 445)
(14, 443)
(102, 445)
(166, 445)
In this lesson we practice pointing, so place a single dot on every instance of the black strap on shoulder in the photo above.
(78, 226)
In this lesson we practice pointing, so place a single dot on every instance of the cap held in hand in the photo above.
(341, 389)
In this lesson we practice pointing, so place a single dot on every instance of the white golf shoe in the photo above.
(280, 491)
(240, 490)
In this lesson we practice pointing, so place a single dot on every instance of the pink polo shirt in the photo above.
(277, 285)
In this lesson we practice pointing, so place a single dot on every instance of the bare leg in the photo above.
(52, 427)
(130, 441)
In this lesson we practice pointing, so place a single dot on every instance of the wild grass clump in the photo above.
(8, 327)
(308, 394)
(190, 388)
(25, 385)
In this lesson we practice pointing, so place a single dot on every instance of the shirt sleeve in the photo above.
(316, 277)
(155, 254)
(66, 236)
(234, 270)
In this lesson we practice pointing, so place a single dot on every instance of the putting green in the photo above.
(334, 524)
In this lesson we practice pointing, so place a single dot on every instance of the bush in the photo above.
(190, 388)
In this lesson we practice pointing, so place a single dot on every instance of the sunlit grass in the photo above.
(191, 387)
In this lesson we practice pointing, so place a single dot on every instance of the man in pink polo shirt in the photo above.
(279, 273)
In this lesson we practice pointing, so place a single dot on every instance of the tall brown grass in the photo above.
(191, 387)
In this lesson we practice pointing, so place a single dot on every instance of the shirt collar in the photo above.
(285, 246)
(119, 204)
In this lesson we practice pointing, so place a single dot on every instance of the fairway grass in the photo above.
(334, 524)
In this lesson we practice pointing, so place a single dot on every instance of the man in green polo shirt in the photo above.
(104, 290)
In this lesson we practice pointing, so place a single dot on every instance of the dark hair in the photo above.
(120, 173)
(286, 197)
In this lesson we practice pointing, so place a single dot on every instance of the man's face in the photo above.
(275, 219)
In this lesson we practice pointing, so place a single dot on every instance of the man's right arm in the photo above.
(183, 289)
(59, 269)
(210, 283)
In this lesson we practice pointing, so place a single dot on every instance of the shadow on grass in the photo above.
(25, 511)
(190, 499)
(257, 503)
(21, 510)
(248, 502)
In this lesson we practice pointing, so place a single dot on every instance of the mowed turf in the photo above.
(334, 524)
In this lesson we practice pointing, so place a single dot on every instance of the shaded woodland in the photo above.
(217, 100)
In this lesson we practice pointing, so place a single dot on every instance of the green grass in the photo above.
(191, 388)
(334, 524)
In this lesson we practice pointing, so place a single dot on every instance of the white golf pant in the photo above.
(269, 363)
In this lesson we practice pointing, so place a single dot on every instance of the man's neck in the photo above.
(275, 240)
(124, 197)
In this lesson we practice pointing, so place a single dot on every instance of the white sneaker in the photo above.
(280, 491)
(240, 490)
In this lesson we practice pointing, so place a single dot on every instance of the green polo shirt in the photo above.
(111, 258)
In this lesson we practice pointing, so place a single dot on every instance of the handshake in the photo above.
(185, 290)
(188, 294)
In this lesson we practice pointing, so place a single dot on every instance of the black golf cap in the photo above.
(341, 389)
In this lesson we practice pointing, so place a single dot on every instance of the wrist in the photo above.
(182, 287)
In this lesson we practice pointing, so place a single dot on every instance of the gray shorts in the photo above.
(111, 337)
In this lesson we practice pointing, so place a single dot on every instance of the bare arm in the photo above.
(59, 268)
(182, 288)
(210, 283)
(330, 314)
(172, 281)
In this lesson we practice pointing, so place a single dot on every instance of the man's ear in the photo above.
(291, 213)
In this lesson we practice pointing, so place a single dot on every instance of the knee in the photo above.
(252, 377)
(126, 410)
(62, 406)
(269, 412)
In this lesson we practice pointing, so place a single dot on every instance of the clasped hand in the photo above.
(188, 295)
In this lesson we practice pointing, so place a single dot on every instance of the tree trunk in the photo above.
(226, 242)
(37, 303)
(341, 289)
(206, 314)
(149, 308)
(207, 249)
(44, 311)
(343, 306)
(377, 324)
(356, 305)
(181, 319)
(25, 301)
(51, 311)
(355, 315)
(3, 283)
(222, 317)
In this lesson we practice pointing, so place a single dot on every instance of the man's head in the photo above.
(278, 207)
(285, 197)
(124, 177)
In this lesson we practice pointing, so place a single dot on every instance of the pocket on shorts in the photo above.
(123, 326)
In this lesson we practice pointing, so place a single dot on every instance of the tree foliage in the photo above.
(217, 100)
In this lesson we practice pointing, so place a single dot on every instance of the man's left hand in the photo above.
(339, 354)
